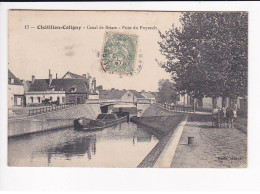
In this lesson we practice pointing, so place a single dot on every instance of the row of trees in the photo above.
(167, 91)
(207, 55)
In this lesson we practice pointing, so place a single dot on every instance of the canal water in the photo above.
(124, 145)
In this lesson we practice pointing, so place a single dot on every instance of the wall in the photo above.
(184, 100)
(207, 102)
(92, 96)
(94, 108)
(22, 127)
(44, 95)
(14, 90)
(51, 120)
(73, 97)
(141, 107)
(129, 97)
(242, 104)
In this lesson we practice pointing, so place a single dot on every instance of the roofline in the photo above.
(18, 84)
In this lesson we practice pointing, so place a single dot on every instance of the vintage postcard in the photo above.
(131, 89)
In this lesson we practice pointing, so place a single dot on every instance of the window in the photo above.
(51, 98)
(12, 80)
(39, 99)
(63, 99)
(31, 99)
(73, 89)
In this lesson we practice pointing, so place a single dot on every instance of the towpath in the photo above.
(213, 147)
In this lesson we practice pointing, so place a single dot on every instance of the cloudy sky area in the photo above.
(34, 51)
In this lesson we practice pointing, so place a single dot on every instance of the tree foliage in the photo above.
(207, 55)
(167, 91)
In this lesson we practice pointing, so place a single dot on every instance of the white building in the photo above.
(36, 97)
(148, 95)
(15, 91)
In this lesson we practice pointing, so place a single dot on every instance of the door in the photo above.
(79, 100)
(19, 101)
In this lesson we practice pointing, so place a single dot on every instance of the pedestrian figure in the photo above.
(230, 117)
(222, 119)
(216, 117)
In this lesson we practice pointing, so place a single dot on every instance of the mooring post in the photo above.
(190, 140)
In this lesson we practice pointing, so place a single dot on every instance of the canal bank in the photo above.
(165, 126)
(50, 120)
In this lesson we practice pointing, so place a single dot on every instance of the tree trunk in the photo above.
(214, 102)
(224, 102)
(233, 102)
(194, 104)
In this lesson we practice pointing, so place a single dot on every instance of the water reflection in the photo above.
(124, 145)
(79, 147)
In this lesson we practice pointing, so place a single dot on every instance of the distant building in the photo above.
(148, 95)
(15, 91)
(184, 100)
(131, 96)
(111, 94)
(123, 95)
(61, 90)
(207, 103)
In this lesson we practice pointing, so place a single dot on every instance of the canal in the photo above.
(124, 145)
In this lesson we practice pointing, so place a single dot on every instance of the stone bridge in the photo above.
(106, 104)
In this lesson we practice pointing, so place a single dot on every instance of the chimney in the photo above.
(56, 76)
(84, 75)
(33, 78)
(94, 84)
(50, 77)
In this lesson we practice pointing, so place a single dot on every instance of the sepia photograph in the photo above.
(127, 89)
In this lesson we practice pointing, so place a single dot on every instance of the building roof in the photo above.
(12, 76)
(137, 94)
(59, 85)
(26, 85)
(117, 94)
(147, 95)
(111, 94)
(76, 76)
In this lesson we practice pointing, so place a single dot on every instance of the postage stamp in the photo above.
(119, 53)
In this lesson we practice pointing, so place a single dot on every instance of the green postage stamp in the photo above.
(119, 53)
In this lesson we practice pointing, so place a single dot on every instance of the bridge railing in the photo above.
(90, 101)
(177, 108)
(110, 101)
(38, 111)
(145, 100)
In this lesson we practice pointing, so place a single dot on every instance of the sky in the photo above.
(34, 50)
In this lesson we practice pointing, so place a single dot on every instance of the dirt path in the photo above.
(213, 147)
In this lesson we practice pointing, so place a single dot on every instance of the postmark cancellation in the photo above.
(119, 53)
